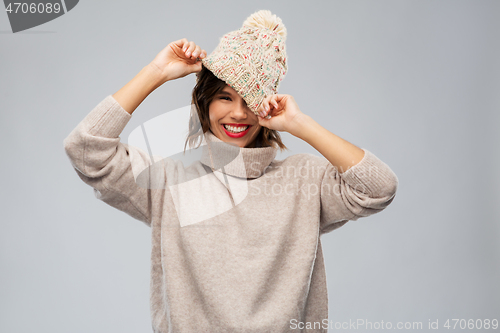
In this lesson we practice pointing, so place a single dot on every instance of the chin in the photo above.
(239, 143)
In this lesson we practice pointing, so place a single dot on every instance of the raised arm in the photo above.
(178, 59)
(286, 116)
(355, 184)
(94, 146)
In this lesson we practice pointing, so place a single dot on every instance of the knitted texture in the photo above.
(229, 254)
(252, 60)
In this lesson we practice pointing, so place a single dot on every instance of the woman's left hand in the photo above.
(284, 111)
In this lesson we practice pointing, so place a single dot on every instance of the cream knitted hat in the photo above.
(252, 60)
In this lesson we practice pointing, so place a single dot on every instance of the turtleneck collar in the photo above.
(235, 161)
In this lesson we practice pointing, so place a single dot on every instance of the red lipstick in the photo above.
(236, 135)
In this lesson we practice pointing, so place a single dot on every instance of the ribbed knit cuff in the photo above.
(107, 119)
(373, 174)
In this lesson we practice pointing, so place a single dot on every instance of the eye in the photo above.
(226, 98)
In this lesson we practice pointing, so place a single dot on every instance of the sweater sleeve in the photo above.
(104, 163)
(365, 189)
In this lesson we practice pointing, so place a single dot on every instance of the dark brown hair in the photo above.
(206, 88)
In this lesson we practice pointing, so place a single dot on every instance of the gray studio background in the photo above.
(415, 82)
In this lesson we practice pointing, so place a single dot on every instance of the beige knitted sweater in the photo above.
(236, 235)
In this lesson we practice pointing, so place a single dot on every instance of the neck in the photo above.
(236, 161)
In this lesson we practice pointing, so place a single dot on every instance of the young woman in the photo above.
(236, 235)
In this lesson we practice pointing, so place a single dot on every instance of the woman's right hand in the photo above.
(178, 59)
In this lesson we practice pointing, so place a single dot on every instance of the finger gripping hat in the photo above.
(252, 60)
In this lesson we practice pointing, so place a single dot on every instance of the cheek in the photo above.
(212, 117)
(215, 112)
(214, 125)
(256, 125)
(257, 129)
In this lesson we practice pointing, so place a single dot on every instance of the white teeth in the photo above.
(235, 129)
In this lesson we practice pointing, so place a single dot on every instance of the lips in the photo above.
(236, 135)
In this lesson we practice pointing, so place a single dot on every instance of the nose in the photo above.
(240, 111)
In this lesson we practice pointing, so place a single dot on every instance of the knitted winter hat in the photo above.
(252, 60)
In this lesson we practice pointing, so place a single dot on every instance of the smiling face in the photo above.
(231, 120)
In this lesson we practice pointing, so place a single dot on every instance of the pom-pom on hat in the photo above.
(252, 60)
